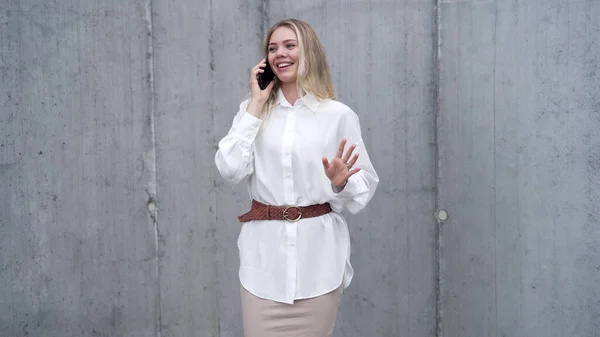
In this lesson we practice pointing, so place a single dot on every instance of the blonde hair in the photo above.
(313, 71)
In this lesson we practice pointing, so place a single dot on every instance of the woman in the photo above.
(288, 142)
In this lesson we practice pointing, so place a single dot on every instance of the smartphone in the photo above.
(265, 78)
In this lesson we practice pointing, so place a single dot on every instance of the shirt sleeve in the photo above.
(235, 156)
(360, 187)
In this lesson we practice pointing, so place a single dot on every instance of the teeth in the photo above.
(281, 65)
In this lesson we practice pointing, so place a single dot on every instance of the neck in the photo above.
(290, 91)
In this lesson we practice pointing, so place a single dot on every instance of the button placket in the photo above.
(288, 193)
(286, 160)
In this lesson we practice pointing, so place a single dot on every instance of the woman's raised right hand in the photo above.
(258, 97)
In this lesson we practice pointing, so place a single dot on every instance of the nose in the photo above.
(280, 52)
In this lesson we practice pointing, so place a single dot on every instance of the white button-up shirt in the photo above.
(280, 160)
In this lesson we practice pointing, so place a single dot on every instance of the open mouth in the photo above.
(284, 65)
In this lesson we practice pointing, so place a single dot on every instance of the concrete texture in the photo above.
(115, 222)
(202, 51)
(519, 168)
(77, 246)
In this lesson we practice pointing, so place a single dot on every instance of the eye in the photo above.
(290, 45)
(272, 49)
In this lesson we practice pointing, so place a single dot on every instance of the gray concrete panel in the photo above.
(518, 173)
(381, 56)
(182, 76)
(203, 52)
(77, 254)
(236, 47)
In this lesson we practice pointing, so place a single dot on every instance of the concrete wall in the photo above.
(114, 221)
(78, 253)
(519, 168)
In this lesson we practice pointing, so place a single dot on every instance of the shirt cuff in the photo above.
(352, 188)
(248, 127)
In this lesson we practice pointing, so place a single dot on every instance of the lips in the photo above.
(284, 65)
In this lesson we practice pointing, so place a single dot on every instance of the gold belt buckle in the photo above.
(286, 217)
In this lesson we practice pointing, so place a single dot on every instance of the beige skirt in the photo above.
(313, 317)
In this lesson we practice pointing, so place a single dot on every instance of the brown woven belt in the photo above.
(260, 211)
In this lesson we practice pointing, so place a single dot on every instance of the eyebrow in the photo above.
(288, 40)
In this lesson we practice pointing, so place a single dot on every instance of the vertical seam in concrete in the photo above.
(264, 17)
(495, 37)
(215, 266)
(406, 167)
(438, 229)
(152, 189)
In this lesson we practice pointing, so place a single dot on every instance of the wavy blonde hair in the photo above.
(313, 71)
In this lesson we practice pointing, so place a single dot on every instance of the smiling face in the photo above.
(283, 53)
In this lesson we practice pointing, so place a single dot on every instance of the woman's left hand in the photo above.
(340, 168)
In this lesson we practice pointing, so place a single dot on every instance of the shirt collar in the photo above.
(309, 100)
(281, 100)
